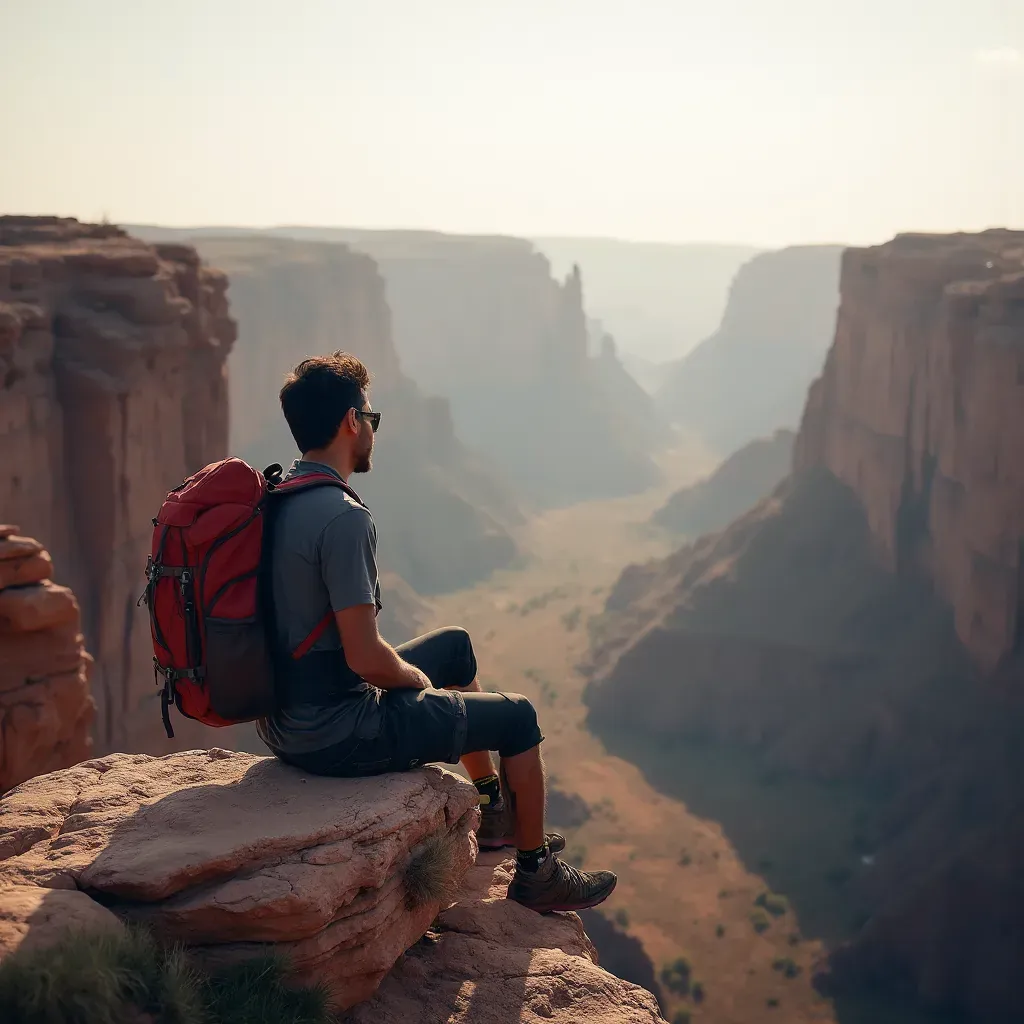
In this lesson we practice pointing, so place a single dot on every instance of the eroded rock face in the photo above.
(46, 708)
(488, 960)
(920, 409)
(228, 852)
(112, 390)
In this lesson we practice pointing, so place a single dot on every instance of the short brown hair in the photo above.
(318, 394)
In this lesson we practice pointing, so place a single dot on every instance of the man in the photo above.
(349, 703)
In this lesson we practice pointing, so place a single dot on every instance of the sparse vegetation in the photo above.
(571, 619)
(786, 966)
(724, 894)
(577, 857)
(760, 921)
(772, 1004)
(697, 992)
(622, 917)
(773, 902)
(681, 1017)
(720, 930)
(428, 875)
(111, 977)
(676, 976)
(685, 859)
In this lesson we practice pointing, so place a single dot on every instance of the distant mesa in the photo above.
(750, 377)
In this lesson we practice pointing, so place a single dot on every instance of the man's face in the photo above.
(364, 444)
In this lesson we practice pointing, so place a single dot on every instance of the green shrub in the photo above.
(676, 976)
(622, 917)
(772, 1004)
(760, 921)
(720, 930)
(775, 904)
(697, 992)
(681, 1017)
(786, 966)
(685, 859)
(112, 977)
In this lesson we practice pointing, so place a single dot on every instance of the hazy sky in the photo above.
(765, 121)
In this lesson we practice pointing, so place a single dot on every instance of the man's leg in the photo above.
(507, 722)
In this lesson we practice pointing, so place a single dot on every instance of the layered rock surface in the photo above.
(234, 854)
(751, 376)
(112, 390)
(46, 708)
(487, 959)
(920, 409)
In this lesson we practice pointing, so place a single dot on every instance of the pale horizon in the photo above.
(750, 124)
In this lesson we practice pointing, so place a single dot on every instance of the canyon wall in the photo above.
(444, 518)
(112, 368)
(862, 625)
(920, 409)
(481, 321)
(751, 376)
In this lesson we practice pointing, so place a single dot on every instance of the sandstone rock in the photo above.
(490, 961)
(46, 710)
(33, 918)
(919, 409)
(112, 390)
(229, 852)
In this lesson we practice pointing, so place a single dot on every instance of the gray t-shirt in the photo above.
(324, 556)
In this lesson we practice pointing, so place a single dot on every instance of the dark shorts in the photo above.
(423, 726)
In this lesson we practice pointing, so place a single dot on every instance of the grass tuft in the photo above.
(428, 876)
(114, 977)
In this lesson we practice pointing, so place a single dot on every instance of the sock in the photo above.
(490, 789)
(530, 860)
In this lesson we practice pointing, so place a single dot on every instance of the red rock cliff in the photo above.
(46, 709)
(920, 409)
(112, 389)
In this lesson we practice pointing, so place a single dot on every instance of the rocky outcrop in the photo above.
(920, 409)
(487, 959)
(738, 484)
(234, 855)
(353, 880)
(46, 708)
(751, 376)
(443, 519)
(112, 389)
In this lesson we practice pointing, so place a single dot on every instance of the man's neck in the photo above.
(340, 465)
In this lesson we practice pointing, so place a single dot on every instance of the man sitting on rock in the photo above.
(352, 705)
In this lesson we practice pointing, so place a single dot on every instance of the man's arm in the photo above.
(369, 655)
(348, 564)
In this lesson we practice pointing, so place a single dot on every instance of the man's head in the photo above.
(325, 402)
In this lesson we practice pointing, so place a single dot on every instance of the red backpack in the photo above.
(209, 593)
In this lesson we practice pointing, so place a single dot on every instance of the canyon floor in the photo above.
(692, 853)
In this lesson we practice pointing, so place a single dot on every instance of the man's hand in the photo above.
(370, 656)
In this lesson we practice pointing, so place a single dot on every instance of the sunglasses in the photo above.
(372, 417)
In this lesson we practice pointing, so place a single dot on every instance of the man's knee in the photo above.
(463, 659)
(523, 730)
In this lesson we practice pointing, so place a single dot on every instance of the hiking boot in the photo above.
(556, 885)
(497, 829)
